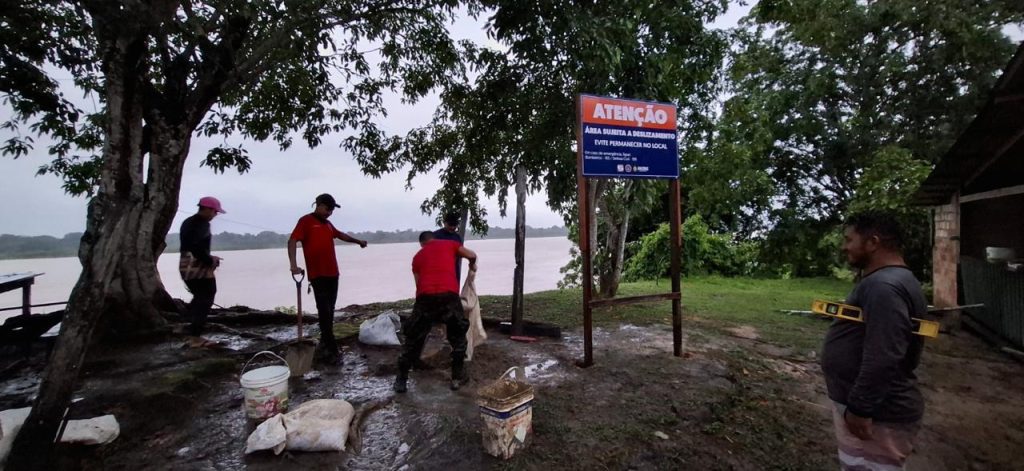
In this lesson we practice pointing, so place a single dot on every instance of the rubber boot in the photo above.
(459, 376)
(327, 355)
(401, 381)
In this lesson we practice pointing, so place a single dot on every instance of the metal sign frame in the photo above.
(583, 185)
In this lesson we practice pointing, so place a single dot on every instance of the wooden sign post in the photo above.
(617, 138)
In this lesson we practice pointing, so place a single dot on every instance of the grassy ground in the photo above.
(714, 301)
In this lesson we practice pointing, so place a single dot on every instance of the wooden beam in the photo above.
(987, 195)
(999, 153)
(633, 300)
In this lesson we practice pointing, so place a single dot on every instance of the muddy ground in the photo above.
(731, 402)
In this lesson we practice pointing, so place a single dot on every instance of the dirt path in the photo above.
(730, 403)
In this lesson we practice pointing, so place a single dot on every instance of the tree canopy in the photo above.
(818, 91)
(249, 70)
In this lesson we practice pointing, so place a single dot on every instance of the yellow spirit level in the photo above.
(924, 328)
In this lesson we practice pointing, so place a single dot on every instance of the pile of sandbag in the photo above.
(96, 431)
(381, 330)
(317, 425)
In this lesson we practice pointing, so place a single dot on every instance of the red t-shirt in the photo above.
(317, 239)
(435, 265)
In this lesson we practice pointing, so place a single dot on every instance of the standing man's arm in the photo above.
(292, 243)
(416, 271)
(886, 341)
(469, 255)
(347, 238)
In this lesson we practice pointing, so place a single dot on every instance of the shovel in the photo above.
(300, 352)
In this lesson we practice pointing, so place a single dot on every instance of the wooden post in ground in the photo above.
(26, 298)
(677, 312)
(587, 277)
(518, 275)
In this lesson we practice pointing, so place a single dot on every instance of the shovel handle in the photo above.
(298, 301)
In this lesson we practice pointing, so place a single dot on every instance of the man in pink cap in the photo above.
(197, 265)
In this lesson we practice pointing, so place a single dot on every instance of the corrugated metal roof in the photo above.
(996, 133)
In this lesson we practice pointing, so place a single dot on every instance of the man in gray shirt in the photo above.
(869, 366)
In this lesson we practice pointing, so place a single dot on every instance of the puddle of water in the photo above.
(541, 370)
(285, 334)
(24, 388)
(231, 341)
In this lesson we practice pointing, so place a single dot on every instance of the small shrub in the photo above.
(703, 253)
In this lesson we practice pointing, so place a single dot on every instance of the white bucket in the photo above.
(999, 254)
(508, 418)
(265, 389)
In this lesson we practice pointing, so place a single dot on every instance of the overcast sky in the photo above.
(277, 190)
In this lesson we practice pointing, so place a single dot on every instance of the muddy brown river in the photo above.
(260, 278)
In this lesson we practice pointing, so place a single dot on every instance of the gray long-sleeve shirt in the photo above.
(869, 366)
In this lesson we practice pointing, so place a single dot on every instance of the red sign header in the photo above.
(628, 113)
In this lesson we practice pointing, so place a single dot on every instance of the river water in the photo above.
(260, 278)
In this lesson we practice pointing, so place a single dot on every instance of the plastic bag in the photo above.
(381, 330)
(318, 425)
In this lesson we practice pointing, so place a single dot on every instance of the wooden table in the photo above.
(13, 281)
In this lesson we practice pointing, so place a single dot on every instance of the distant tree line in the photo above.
(15, 247)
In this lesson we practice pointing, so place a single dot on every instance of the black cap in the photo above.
(451, 219)
(327, 200)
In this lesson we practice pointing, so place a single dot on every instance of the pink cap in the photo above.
(212, 203)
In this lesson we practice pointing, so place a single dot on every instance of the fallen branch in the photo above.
(258, 318)
(530, 328)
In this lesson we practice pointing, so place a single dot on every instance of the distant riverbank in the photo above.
(260, 278)
(30, 247)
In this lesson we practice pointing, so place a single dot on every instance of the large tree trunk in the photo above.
(616, 213)
(595, 190)
(463, 222)
(127, 222)
(611, 274)
(518, 275)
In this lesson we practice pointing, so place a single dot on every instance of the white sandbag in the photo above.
(471, 307)
(96, 431)
(318, 425)
(10, 425)
(381, 330)
(269, 435)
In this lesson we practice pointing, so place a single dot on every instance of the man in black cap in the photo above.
(450, 231)
(317, 236)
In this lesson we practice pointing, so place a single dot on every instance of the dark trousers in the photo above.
(325, 292)
(431, 308)
(203, 291)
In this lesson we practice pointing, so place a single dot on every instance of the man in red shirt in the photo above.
(317, 236)
(437, 300)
